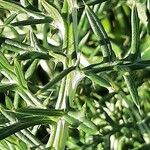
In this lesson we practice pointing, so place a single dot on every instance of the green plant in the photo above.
(74, 74)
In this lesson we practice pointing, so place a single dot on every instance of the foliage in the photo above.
(74, 74)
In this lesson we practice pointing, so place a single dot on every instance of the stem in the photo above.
(62, 126)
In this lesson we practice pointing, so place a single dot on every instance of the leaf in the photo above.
(23, 124)
(88, 129)
(73, 7)
(57, 78)
(7, 86)
(52, 52)
(70, 44)
(31, 22)
(19, 74)
(4, 64)
(91, 2)
(13, 6)
(74, 78)
(19, 44)
(98, 79)
(132, 89)
(79, 119)
(141, 9)
(135, 33)
(8, 102)
(100, 33)
(33, 55)
(54, 13)
(35, 43)
(30, 98)
(15, 46)
(31, 69)
(7, 21)
(145, 48)
(40, 112)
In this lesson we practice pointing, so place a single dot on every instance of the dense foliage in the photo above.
(74, 74)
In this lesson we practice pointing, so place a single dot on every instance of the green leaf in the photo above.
(30, 98)
(88, 129)
(31, 22)
(13, 6)
(73, 7)
(57, 78)
(91, 2)
(135, 33)
(19, 74)
(74, 78)
(33, 55)
(15, 46)
(40, 112)
(4, 64)
(35, 43)
(23, 124)
(31, 69)
(54, 13)
(7, 21)
(132, 89)
(8, 102)
(52, 51)
(100, 33)
(4, 87)
(79, 119)
(98, 80)
(18, 44)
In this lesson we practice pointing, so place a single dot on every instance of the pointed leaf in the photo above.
(57, 78)
(14, 6)
(40, 112)
(135, 33)
(4, 64)
(8, 102)
(23, 124)
(101, 34)
(91, 2)
(98, 79)
(53, 12)
(31, 22)
(33, 55)
(19, 74)
(31, 69)
(132, 89)
(7, 86)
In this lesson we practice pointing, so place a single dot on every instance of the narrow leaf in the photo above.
(7, 86)
(40, 112)
(100, 33)
(31, 22)
(31, 69)
(132, 89)
(19, 74)
(54, 13)
(98, 80)
(91, 2)
(4, 64)
(18, 44)
(8, 102)
(57, 78)
(135, 33)
(14, 6)
(26, 123)
(10, 19)
(33, 55)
